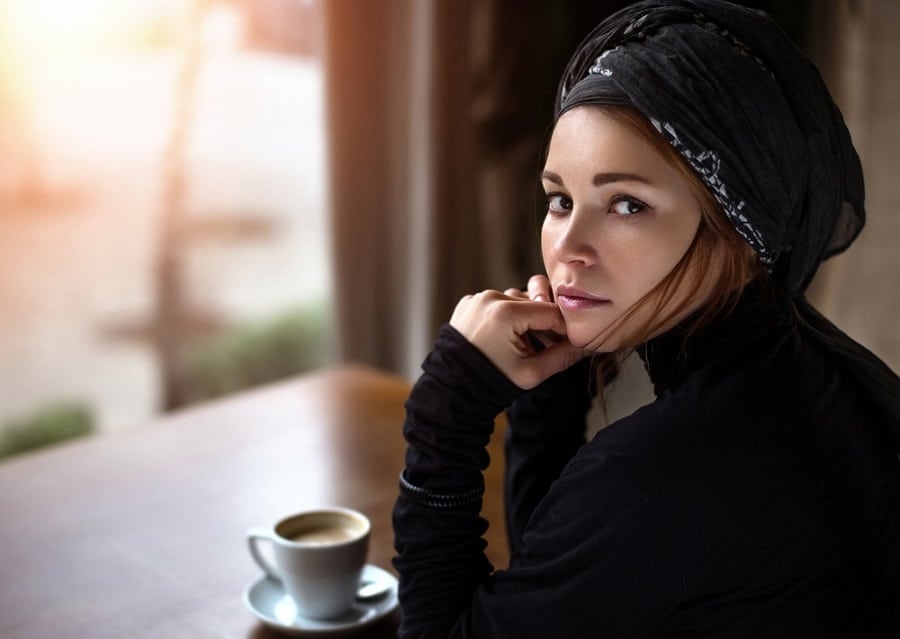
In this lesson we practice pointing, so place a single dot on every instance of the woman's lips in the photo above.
(573, 299)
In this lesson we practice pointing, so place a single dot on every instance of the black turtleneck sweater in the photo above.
(753, 498)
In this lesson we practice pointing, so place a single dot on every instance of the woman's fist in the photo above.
(504, 325)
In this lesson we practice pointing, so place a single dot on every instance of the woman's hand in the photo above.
(503, 325)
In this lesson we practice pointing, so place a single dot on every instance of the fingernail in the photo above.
(540, 298)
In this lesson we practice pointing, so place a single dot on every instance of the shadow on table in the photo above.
(384, 629)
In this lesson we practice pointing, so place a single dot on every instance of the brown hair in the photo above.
(717, 252)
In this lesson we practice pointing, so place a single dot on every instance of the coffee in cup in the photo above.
(318, 556)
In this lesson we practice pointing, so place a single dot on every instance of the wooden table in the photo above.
(140, 533)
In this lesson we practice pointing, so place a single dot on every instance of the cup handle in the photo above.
(254, 536)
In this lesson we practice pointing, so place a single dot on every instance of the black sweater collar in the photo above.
(759, 312)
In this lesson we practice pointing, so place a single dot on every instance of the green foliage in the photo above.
(48, 425)
(246, 356)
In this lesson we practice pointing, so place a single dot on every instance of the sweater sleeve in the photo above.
(449, 420)
(546, 427)
(591, 559)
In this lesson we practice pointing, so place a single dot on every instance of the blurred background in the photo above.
(163, 223)
(199, 196)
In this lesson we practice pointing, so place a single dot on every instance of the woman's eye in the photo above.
(557, 203)
(627, 206)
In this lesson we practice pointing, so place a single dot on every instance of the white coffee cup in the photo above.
(319, 557)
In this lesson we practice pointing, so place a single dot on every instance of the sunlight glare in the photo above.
(51, 28)
(223, 28)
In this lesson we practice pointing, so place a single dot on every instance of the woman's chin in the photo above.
(592, 340)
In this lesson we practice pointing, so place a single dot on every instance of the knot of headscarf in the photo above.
(748, 112)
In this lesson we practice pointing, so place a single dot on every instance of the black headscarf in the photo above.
(751, 115)
(747, 110)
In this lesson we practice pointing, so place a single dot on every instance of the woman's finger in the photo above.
(542, 339)
(535, 316)
(516, 293)
(539, 288)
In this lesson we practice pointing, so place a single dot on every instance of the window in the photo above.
(162, 170)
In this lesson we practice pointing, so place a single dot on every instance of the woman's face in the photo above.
(619, 218)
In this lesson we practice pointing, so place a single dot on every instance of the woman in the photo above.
(697, 175)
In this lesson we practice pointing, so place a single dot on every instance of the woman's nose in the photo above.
(576, 242)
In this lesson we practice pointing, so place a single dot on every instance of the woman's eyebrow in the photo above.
(601, 179)
(550, 176)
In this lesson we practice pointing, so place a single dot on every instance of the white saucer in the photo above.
(267, 599)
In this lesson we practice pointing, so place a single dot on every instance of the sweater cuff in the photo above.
(458, 365)
(450, 415)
